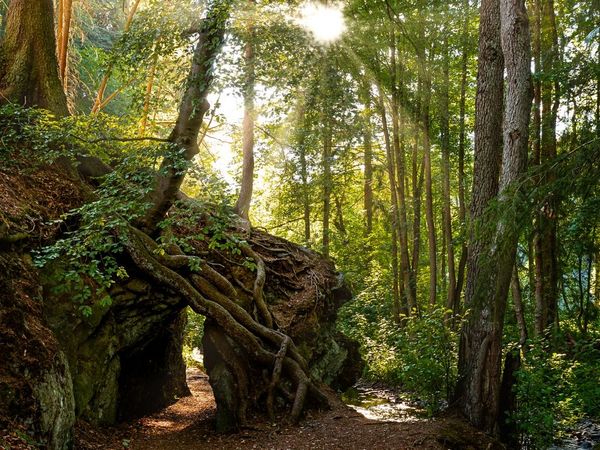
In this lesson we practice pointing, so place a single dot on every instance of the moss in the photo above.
(54, 392)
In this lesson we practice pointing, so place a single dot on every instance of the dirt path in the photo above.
(188, 424)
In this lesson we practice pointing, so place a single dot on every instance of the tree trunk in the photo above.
(462, 207)
(547, 258)
(398, 159)
(368, 161)
(64, 19)
(28, 65)
(481, 340)
(478, 371)
(515, 287)
(327, 184)
(191, 112)
(431, 236)
(242, 207)
(445, 147)
(394, 213)
(305, 193)
(418, 177)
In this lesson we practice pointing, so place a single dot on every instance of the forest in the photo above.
(260, 223)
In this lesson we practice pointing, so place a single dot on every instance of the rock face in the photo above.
(125, 360)
(120, 353)
(56, 365)
(35, 382)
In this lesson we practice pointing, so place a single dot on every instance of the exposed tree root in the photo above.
(259, 284)
(276, 376)
(211, 294)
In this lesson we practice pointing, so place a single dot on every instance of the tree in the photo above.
(504, 36)
(28, 64)
(63, 33)
(243, 203)
(548, 96)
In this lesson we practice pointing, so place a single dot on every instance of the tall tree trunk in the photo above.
(398, 159)
(242, 207)
(429, 216)
(28, 66)
(445, 147)
(394, 213)
(368, 162)
(418, 177)
(462, 207)
(477, 378)
(547, 258)
(64, 20)
(327, 183)
(193, 106)
(305, 193)
(515, 288)
(481, 340)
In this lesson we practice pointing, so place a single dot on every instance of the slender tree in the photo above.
(546, 238)
(242, 206)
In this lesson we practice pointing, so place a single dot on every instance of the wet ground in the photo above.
(383, 404)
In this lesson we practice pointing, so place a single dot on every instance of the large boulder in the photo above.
(57, 365)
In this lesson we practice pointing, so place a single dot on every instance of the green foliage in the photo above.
(194, 331)
(555, 390)
(419, 355)
(90, 246)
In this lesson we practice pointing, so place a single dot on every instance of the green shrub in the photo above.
(556, 390)
(419, 355)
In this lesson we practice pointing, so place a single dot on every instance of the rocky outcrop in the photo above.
(36, 390)
(57, 365)
(125, 359)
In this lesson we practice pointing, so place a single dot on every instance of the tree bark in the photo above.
(327, 183)
(431, 235)
(305, 194)
(394, 213)
(546, 241)
(398, 161)
(28, 66)
(64, 19)
(445, 147)
(462, 207)
(478, 371)
(515, 287)
(368, 161)
(481, 339)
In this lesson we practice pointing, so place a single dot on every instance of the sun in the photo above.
(325, 22)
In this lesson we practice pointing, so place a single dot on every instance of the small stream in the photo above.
(380, 403)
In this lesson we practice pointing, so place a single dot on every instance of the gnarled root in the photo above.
(211, 294)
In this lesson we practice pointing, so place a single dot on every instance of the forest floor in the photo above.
(188, 424)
